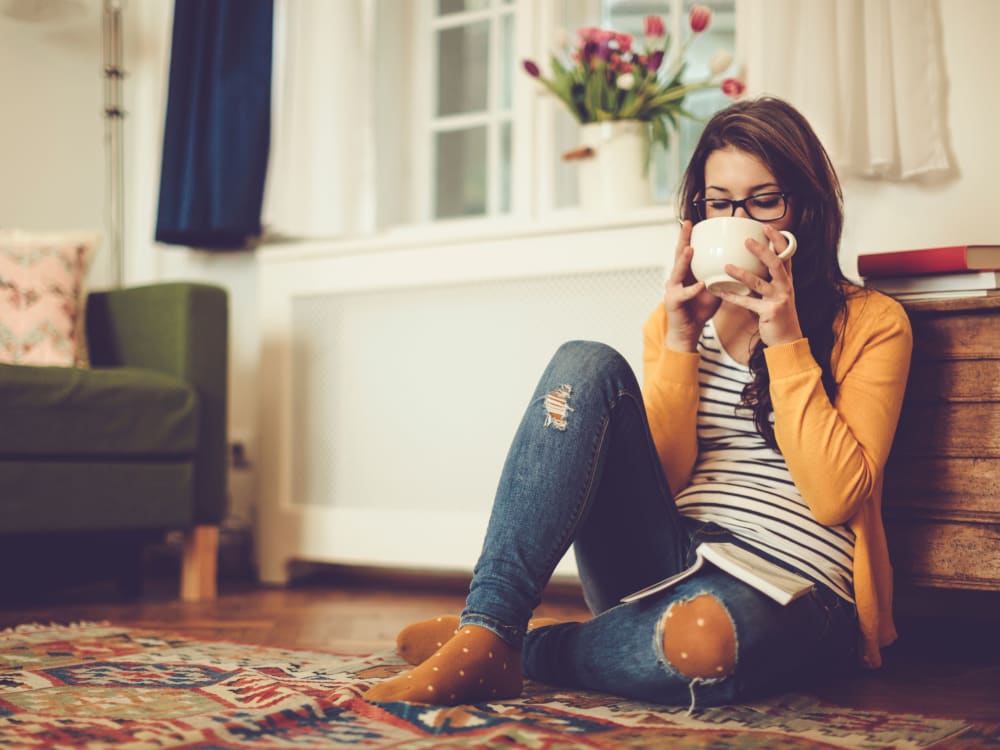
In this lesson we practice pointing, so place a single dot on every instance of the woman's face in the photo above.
(735, 175)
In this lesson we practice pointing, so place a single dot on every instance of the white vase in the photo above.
(615, 177)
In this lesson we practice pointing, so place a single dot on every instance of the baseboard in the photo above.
(410, 580)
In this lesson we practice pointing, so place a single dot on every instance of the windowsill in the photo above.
(463, 231)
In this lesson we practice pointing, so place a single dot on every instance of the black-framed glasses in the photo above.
(769, 206)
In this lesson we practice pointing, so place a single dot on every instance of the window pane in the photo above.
(463, 69)
(460, 171)
(507, 66)
(505, 167)
(460, 6)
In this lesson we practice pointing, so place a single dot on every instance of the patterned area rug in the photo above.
(98, 686)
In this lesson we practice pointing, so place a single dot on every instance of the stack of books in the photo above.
(934, 272)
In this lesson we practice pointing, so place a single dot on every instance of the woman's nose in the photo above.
(741, 211)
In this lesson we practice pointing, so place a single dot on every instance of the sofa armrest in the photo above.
(181, 329)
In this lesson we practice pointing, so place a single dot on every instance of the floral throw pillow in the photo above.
(42, 296)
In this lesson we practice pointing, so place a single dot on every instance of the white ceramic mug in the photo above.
(722, 240)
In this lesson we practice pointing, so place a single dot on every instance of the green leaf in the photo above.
(557, 68)
(659, 132)
(592, 96)
(690, 115)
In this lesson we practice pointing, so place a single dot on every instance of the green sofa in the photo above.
(133, 446)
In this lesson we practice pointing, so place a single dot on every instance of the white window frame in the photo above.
(533, 119)
(427, 124)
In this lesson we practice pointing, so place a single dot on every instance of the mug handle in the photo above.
(793, 245)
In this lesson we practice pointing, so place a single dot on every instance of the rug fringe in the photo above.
(30, 628)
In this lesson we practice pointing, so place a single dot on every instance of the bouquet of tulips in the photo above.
(604, 77)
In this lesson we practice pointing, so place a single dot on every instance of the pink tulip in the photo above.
(532, 69)
(655, 27)
(733, 88)
(700, 17)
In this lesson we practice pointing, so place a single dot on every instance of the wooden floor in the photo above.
(943, 665)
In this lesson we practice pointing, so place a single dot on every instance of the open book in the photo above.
(781, 585)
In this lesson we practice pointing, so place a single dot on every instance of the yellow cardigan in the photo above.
(836, 453)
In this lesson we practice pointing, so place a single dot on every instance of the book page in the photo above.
(781, 585)
(665, 583)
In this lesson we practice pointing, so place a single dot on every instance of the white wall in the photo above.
(51, 119)
(51, 138)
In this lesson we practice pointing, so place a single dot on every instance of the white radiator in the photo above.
(393, 396)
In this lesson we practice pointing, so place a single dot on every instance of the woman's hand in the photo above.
(688, 303)
(777, 319)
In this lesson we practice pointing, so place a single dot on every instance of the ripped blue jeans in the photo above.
(583, 470)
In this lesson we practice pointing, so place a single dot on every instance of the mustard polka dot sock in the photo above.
(419, 640)
(416, 642)
(473, 667)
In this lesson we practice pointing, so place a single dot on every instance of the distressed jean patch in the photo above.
(557, 407)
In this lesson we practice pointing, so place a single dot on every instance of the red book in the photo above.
(930, 260)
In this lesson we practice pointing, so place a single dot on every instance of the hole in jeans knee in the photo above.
(699, 638)
(557, 407)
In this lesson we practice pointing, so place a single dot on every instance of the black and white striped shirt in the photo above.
(744, 486)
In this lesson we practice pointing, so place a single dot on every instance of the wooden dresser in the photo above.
(942, 494)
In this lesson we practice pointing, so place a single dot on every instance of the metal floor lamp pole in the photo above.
(114, 116)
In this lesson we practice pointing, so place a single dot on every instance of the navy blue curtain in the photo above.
(218, 124)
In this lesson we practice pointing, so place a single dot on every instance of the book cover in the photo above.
(966, 294)
(781, 585)
(948, 259)
(937, 282)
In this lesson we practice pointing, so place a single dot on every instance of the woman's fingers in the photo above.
(780, 269)
(684, 239)
(752, 281)
(682, 266)
(754, 304)
(691, 291)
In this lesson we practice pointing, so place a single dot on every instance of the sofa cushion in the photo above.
(42, 296)
(94, 496)
(115, 412)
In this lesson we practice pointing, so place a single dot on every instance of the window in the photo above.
(470, 123)
(484, 143)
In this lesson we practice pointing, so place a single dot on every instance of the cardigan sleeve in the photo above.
(670, 391)
(836, 453)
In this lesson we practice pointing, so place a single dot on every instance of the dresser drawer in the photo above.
(956, 335)
(956, 555)
(945, 488)
(948, 430)
(954, 380)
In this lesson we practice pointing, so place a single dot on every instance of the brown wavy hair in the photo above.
(780, 137)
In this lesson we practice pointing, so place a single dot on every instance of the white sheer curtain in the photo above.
(868, 74)
(321, 173)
